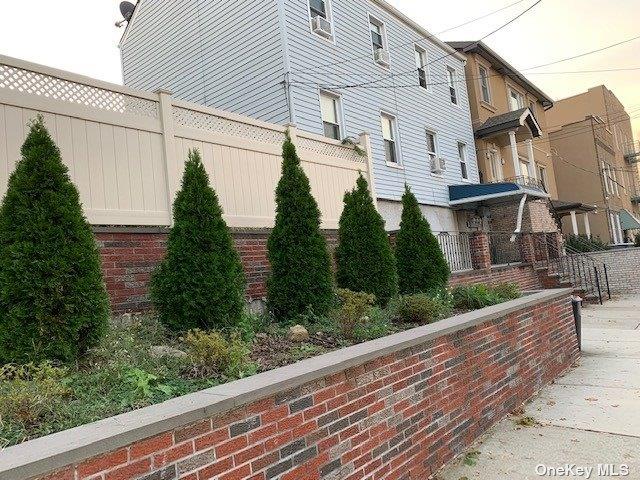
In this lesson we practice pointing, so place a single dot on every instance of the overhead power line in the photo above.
(427, 37)
(583, 54)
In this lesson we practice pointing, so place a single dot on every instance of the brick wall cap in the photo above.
(53, 452)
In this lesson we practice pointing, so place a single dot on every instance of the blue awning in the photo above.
(491, 192)
(628, 221)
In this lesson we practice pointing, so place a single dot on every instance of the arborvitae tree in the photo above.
(200, 283)
(53, 302)
(300, 263)
(421, 264)
(364, 256)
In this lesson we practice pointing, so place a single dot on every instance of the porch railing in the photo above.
(456, 249)
(527, 182)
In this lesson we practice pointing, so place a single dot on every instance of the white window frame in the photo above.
(339, 112)
(436, 152)
(373, 20)
(463, 158)
(481, 67)
(605, 175)
(495, 163)
(396, 139)
(542, 176)
(427, 73)
(451, 84)
(614, 179)
(511, 90)
(328, 17)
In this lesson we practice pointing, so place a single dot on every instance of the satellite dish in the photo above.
(126, 9)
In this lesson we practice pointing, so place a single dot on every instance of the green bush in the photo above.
(200, 283)
(212, 353)
(353, 308)
(300, 263)
(507, 291)
(376, 324)
(53, 302)
(30, 395)
(422, 308)
(365, 261)
(582, 243)
(471, 297)
(421, 263)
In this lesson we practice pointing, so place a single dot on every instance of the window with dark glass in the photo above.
(318, 8)
(484, 84)
(377, 37)
(462, 154)
(330, 109)
(453, 93)
(421, 65)
(389, 136)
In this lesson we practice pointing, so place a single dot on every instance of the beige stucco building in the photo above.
(594, 159)
(508, 114)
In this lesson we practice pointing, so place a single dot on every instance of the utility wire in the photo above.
(427, 37)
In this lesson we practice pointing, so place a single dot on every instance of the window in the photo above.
(516, 100)
(542, 176)
(331, 111)
(614, 179)
(378, 41)
(462, 155)
(389, 135)
(453, 94)
(318, 8)
(421, 65)
(484, 84)
(524, 168)
(605, 175)
(432, 154)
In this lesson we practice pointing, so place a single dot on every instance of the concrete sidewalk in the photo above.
(590, 416)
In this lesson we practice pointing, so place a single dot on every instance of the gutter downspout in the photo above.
(523, 200)
(285, 60)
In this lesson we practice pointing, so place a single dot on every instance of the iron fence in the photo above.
(456, 249)
(504, 248)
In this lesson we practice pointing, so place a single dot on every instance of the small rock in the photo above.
(262, 336)
(159, 351)
(298, 334)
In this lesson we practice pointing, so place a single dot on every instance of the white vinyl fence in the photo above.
(125, 149)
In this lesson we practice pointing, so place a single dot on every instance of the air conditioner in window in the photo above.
(381, 56)
(322, 26)
(438, 165)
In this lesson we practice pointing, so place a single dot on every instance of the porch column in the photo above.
(574, 222)
(514, 153)
(587, 227)
(533, 171)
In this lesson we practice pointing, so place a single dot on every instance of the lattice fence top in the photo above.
(44, 85)
(330, 150)
(213, 123)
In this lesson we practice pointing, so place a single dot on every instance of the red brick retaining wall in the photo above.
(398, 407)
(130, 255)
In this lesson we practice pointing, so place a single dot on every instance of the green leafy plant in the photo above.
(376, 324)
(200, 283)
(353, 308)
(421, 263)
(30, 394)
(471, 458)
(423, 308)
(583, 243)
(364, 258)
(300, 263)
(507, 291)
(212, 353)
(53, 302)
(471, 297)
(145, 384)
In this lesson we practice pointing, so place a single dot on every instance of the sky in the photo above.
(80, 36)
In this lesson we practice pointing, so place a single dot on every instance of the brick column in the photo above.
(526, 244)
(480, 250)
